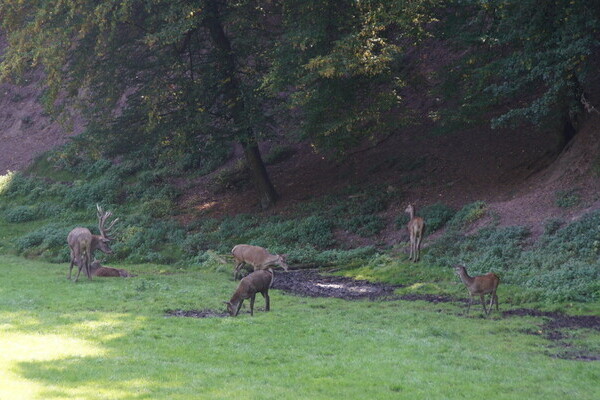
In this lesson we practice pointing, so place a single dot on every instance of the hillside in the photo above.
(516, 172)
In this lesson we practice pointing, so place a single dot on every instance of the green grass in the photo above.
(110, 339)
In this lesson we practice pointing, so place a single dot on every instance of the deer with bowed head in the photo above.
(83, 243)
(415, 227)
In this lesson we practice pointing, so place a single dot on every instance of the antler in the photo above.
(102, 218)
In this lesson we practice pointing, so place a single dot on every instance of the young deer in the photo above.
(257, 281)
(415, 230)
(98, 269)
(83, 244)
(480, 286)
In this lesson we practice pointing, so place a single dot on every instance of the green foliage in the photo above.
(571, 281)
(567, 198)
(552, 225)
(561, 266)
(48, 242)
(21, 214)
(468, 214)
(364, 225)
(436, 216)
(537, 58)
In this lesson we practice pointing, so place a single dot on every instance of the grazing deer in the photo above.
(480, 286)
(258, 257)
(257, 281)
(83, 244)
(415, 227)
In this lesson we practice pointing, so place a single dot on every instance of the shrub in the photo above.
(436, 216)
(468, 214)
(364, 225)
(49, 241)
(552, 225)
(572, 281)
(567, 198)
(158, 208)
(21, 214)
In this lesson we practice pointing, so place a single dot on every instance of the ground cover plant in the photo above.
(114, 338)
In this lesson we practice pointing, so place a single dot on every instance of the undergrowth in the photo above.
(37, 212)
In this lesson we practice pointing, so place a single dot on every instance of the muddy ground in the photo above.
(560, 329)
(310, 283)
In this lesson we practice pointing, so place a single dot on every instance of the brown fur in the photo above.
(257, 281)
(83, 244)
(415, 226)
(480, 286)
(258, 257)
(101, 271)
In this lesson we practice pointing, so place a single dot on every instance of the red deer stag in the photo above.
(257, 281)
(83, 244)
(415, 227)
(480, 286)
(258, 257)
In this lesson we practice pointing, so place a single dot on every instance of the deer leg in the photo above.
(71, 267)
(80, 266)
(237, 270)
(252, 304)
(482, 297)
(267, 303)
(88, 267)
(496, 300)
(237, 310)
(469, 306)
(418, 248)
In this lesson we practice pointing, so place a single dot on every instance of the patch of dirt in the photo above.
(557, 329)
(311, 283)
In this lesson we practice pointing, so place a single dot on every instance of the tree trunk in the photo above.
(266, 192)
(235, 100)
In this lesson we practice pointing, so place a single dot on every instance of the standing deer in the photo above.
(256, 256)
(415, 227)
(83, 244)
(480, 286)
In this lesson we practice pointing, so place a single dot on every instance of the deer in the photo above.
(97, 269)
(83, 243)
(480, 286)
(255, 282)
(415, 227)
(258, 257)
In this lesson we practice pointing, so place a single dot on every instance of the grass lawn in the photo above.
(110, 339)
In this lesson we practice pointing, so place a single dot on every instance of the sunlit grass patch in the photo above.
(5, 181)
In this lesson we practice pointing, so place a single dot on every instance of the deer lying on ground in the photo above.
(257, 281)
(415, 231)
(258, 257)
(100, 270)
(83, 244)
(480, 286)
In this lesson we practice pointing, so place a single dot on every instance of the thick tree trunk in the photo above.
(235, 100)
(266, 192)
